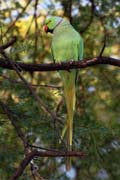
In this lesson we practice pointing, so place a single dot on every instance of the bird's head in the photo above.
(51, 23)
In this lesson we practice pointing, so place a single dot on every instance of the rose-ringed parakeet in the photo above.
(67, 45)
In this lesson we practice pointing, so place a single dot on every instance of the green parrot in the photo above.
(67, 45)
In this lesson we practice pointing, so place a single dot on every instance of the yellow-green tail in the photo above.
(69, 94)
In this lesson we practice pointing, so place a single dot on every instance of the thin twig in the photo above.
(90, 17)
(19, 15)
(36, 30)
(50, 86)
(42, 104)
(45, 149)
(19, 132)
(9, 43)
(104, 38)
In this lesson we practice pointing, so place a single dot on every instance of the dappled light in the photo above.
(32, 105)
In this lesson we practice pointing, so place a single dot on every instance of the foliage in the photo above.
(97, 116)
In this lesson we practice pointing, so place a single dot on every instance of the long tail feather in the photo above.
(70, 103)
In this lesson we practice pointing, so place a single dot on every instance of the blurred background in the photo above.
(97, 115)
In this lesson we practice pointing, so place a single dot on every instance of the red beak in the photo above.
(46, 28)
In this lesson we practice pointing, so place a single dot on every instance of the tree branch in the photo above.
(35, 153)
(67, 6)
(90, 17)
(15, 66)
(9, 43)
(4, 63)
(104, 38)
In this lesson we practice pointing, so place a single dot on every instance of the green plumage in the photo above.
(67, 45)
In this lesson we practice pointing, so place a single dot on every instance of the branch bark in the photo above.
(35, 153)
(4, 63)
